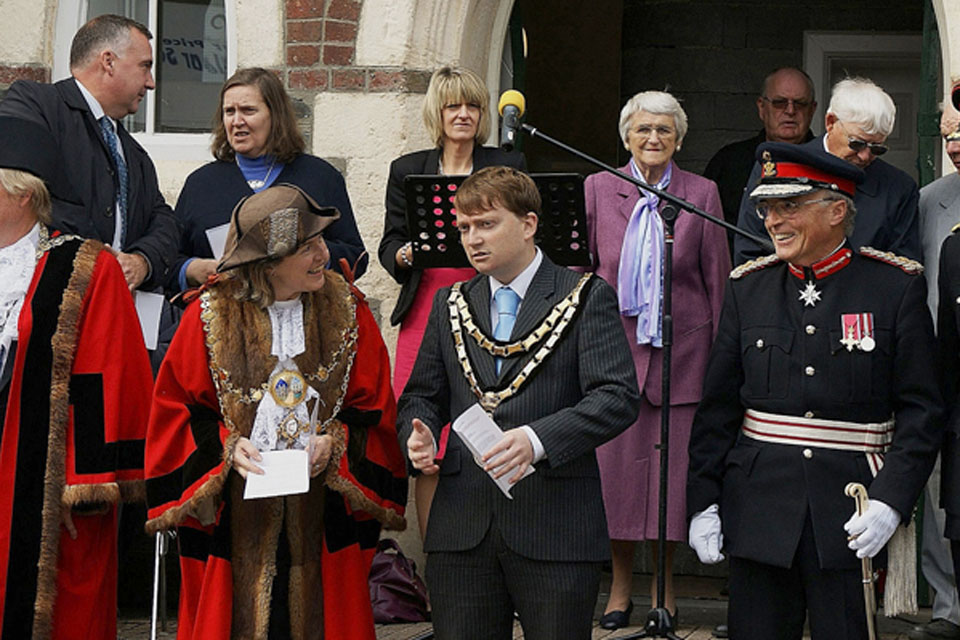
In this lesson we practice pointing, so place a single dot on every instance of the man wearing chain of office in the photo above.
(541, 350)
(822, 374)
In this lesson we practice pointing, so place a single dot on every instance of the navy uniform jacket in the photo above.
(152, 229)
(582, 395)
(886, 202)
(775, 354)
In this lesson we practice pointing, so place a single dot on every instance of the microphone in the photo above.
(511, 107)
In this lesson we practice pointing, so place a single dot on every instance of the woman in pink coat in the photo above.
(626, 241)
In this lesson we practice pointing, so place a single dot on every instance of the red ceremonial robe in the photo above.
(76, 408)
(206, 397)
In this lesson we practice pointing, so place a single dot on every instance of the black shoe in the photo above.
(616, 619)
(938, 629)
(721, 631)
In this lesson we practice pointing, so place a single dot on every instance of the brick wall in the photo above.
(321, 42)
(11, 73)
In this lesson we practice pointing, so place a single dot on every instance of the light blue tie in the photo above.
(507, 302)
(110, 137)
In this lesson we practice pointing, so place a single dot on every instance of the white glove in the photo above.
(873, 529)
(706, 536)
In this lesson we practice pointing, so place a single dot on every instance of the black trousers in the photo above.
(475, 593)
(771, 603)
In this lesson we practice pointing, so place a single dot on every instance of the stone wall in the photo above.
(713, 55)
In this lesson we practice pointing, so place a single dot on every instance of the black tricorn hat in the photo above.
(28, 146)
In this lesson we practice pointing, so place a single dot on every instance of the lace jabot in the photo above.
(276, 426)
(17, 264)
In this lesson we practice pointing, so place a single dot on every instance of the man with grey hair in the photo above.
(820, 375)
(785, 106)
(859, 119)
(111, 175)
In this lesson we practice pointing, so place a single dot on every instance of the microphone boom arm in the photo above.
(669, 197)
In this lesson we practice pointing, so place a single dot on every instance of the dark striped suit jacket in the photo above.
(582, 395)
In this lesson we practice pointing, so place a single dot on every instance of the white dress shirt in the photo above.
(98, 113)
(519, 285)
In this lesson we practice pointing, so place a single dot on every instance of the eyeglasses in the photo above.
(645, 131)
(857, 144)
(782, 103)
(786, 208)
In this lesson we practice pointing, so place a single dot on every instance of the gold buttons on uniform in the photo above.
(809, 370)
(807, 453)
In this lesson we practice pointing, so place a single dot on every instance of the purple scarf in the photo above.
(640, 275)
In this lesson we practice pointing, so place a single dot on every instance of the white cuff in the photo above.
(538, 452)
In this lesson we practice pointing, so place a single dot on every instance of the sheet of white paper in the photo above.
(480, 433)
(217, 237)
(149, 306)
(285, 473)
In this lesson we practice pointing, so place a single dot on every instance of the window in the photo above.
(194, 53)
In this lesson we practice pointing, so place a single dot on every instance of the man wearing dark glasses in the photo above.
(859, 119)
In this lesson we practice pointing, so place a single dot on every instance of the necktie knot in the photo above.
(507, 301)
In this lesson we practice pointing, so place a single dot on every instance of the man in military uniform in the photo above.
(821, 375)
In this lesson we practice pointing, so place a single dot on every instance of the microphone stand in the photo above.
(659, 621)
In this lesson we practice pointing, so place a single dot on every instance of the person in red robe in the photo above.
(75, 386)
(276, 353)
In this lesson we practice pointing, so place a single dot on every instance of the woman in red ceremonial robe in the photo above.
(278, 353)
(74, 391)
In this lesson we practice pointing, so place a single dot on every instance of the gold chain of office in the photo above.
(344, 353)
(552, 328)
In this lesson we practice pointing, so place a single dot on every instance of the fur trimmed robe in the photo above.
(76, 408)
(206, 398)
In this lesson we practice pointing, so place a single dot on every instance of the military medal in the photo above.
(857, 331)
(810, 296)
(288, 388)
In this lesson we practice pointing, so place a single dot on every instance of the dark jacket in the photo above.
(948, 338)
(583, 394)
(212, 191)
(395, 232)
(151, 229)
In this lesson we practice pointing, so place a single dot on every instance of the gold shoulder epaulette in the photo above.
(904, 263)
(754, 265)
(955, 228)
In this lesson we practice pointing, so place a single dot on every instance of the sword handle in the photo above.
(858, 492)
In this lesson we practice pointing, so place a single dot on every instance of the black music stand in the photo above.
(432, 220)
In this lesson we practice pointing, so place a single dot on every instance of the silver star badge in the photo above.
(810, 296)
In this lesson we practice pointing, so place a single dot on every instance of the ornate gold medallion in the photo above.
(288, 388)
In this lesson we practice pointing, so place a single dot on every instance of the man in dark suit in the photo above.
(111, 175)
(542, 350)
(860, 117)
